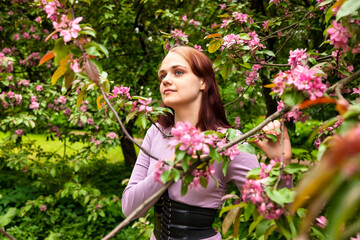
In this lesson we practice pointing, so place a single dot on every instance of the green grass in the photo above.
(113, 155)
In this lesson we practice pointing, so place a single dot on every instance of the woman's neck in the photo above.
(188, 113)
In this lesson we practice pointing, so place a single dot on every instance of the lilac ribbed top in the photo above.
(142, 184)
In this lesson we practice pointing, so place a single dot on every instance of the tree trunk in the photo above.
(128, 148)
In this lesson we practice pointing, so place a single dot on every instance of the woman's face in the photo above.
(179, 86)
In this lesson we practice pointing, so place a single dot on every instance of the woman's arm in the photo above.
(142, 184)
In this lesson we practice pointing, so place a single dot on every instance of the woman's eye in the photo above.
(178, 72)
(162, 77)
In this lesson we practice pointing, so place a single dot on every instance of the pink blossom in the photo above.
(1, 28)
(62, 99)
(356, 238)
(144, 107)
(83, 108)
(10, 13)
(198, 47)
(97, 142)
(124, 91)
(265, 24)
(19, 132)
(34, 105)
(39, 88)
(90, 121)
(26, 35)
(195, 23)
(75, 67)
(339, 36)
(184, 18)
(321, 221)
(222, 6)
(38, 19)
(179, 35)
(240, 17)
(297, 57)
(67, 111)
(134, 105)
(159, 169)
(16, 37)
(276, 2)
(231, 39)
(112, 135)
(43, 208)
(18, 98)
(224, 23)
(356, 91)
(213, 25)
(237, 122)
(25, 83)
(10, 94)
(189, 138)
(50, 8)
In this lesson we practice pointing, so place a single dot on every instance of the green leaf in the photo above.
(293, 97)
(226, 70)
(247, 148)
(349, 7)
(180, 155)
(292, 168)
(249, 209)
(93, 51)
(281, 196)
(271, 137)
(328, 15)
(142, 120)
(231, 134)
(165, 175)
(184, 188)
(203, 182)
(244, 36)
(253, 173)
(60, 50)
(7, 218)
(99, 47)
(246, 58)
(131, 115)
(176, 174)
(214, 154)
(225, 166)
(214, 45)
(255, 223)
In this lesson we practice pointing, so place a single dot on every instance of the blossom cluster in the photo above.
(301, 78)
(297, 57)
(122, 91)
(295, 115)
(179, 37)
(10, 98)
(339, 36)
(242, 18)
(234, 39)
(6, 63)
(34, 103)
(254, 191)
(323, 133)
(68, 28)
(143, 106)
(190, 139)
(197, 174)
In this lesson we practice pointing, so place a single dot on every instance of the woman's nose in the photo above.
(167, 80)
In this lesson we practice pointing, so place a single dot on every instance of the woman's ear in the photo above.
(202, 84)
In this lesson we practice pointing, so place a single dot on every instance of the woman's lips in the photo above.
(167, 91)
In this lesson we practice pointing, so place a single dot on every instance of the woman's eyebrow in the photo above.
(175, 66)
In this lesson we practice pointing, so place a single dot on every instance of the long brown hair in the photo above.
(212, 113)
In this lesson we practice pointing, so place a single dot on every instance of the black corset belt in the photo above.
(175, 221)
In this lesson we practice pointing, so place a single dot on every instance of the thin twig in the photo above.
(122, 125)
(7, 234)
(343, 82)
(238, 98)
(282, 159)
(160, 130)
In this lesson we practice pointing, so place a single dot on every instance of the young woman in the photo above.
(189, 88)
